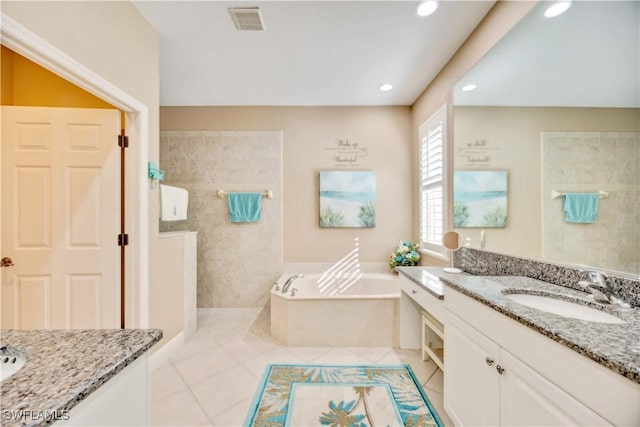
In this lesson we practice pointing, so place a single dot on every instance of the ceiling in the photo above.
(312, 52)
(587, 57)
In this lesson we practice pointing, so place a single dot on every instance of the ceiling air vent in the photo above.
(246, 18)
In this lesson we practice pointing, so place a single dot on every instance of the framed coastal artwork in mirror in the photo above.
(479, 199)
(347, 199)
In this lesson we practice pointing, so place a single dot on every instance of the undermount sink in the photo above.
(563, 308)
(10, 362)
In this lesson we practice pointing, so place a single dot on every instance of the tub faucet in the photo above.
(289, 281)
(601, 289)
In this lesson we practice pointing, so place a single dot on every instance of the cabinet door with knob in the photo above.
(486, 385)
(527, 398)
(471, 382)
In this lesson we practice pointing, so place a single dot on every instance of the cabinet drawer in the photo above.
(431, 304)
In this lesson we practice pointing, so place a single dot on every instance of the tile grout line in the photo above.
(238, 363)
(251, 395)
(431, 376)
(307, 361)
(377, 361)
(432, 389)
(193, 395)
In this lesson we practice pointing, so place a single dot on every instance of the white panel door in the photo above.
(60, 218)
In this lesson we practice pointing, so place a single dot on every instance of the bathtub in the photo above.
(337, 312)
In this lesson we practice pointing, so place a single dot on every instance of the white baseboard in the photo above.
(159, 357)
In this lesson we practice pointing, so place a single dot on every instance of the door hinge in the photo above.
(123, 239)
(123, 141)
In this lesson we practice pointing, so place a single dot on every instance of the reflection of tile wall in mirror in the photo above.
(612, 242)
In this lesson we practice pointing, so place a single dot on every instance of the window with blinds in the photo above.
(432, 182)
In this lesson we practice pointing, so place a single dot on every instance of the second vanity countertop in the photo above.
(615, 346)
(426, 277)
(64, 366)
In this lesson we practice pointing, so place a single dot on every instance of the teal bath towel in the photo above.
(245, 207)
(581, 207)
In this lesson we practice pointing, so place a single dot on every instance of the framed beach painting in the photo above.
(347, 199)
(480, 199)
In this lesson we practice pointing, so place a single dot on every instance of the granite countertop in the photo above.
(615, 346)
(426, 277)
(64, 366)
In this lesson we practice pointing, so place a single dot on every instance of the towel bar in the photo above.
(268, 194)
(555, 194)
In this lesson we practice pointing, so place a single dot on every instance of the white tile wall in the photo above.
(237, 263)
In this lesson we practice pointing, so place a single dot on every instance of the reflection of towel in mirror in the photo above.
(245, 207)
(174, 202)
(581, 207)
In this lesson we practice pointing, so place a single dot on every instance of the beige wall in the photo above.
(495, 25)
(115, 41)
(307, 133)
(513, 134)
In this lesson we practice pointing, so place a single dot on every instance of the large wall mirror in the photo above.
(556, 105)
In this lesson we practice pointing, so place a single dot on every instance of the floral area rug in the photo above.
(341, 396)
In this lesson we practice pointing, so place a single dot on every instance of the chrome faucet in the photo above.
(289, 281)
(601, 289)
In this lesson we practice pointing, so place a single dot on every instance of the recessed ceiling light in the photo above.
(426, 8)
(385, 87)
(469, 87)
(558, 7)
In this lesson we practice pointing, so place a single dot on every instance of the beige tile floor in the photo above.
(211, 380)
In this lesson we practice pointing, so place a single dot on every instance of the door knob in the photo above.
(6, 262)
(500, 369)
(489, 361)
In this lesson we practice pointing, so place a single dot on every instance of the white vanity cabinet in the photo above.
(471, 383)
(124, 400)
(485, 385)
(500, 372)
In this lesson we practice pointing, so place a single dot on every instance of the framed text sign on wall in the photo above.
(347, 199)
(346, 153)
